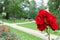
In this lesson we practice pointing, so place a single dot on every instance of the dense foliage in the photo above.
(27, 9)
(54, 7)
(19, 9)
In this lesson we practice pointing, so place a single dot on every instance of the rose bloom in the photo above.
(44, 19)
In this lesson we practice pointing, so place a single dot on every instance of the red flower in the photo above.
(44, 18)
(39, 20)
(42, 27)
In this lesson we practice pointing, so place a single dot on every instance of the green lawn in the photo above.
(16, 21)
(23, 36)
(29, 25)
(33, 26)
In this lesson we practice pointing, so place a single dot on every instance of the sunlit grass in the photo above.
(29, 25)
(34, 27)
(22, 35)
(16, 21)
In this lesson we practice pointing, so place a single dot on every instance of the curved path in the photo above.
(33, 32)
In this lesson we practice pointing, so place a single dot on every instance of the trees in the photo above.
(54, 7)
(20, 9)
(32, 9)
(29, 8)
(11, 7)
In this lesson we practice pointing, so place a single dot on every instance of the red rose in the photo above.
(43, 18)
(42, 27)
(39, 20)
(54, 26)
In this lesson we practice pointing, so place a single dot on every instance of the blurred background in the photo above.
(19, 11)
(27, 9)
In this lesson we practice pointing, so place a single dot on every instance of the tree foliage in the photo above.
(54, 7)
(20, 9)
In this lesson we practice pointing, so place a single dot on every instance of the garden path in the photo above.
(33, 32)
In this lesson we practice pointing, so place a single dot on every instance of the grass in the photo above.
(29, 25)
(16, 21)
(34, 27)
(22, 35)
(57, 32)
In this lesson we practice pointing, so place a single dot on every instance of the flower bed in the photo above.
(6, 34)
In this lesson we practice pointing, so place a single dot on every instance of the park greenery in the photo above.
(34, 27)
(18, 11)
(27, 9)
(9, 33)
